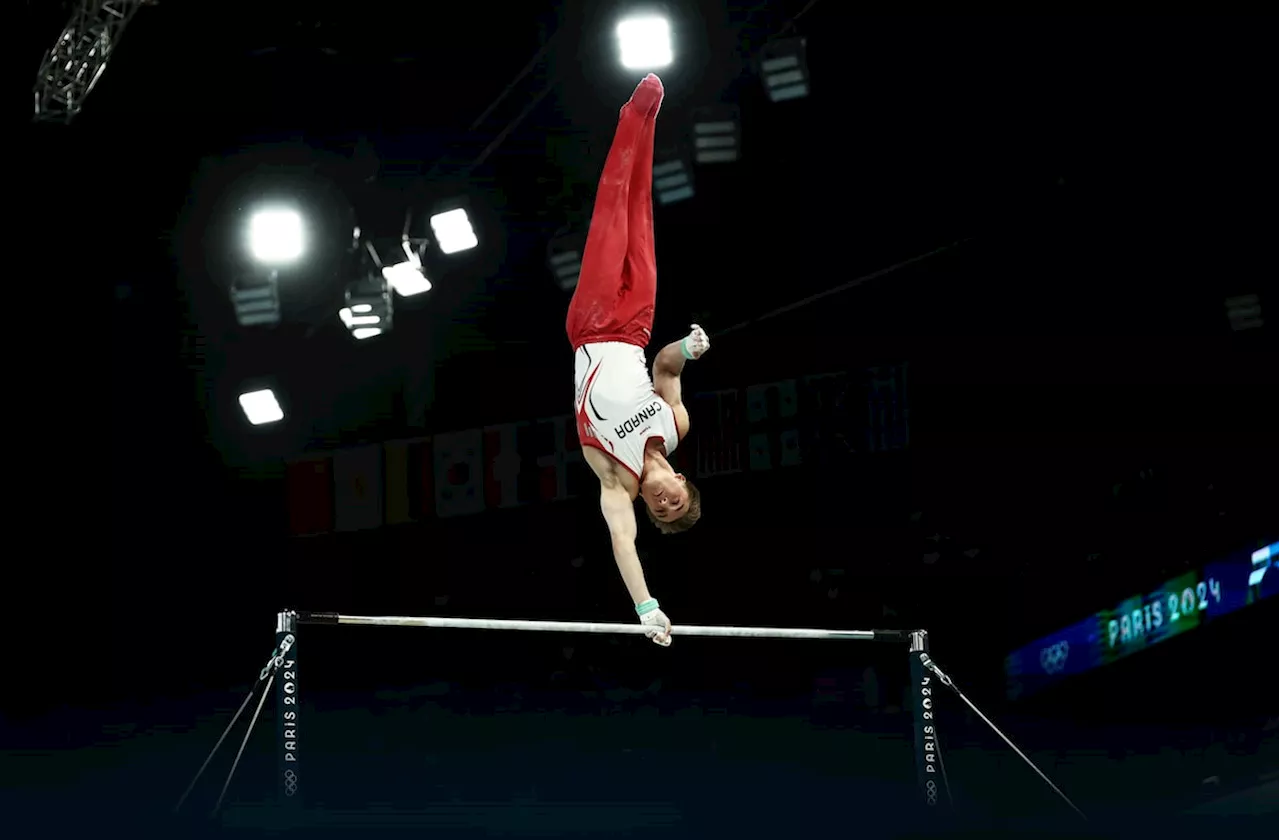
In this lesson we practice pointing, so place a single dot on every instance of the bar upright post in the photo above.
(288, 709)
(924, 713)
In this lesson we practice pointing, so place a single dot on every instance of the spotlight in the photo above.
(256, 300)
(672, 178)
(564, 258)
(369, 307)
(644, 43)
(276, 236)
(784, 70)
(1244, 312)
(715, 135)
(407, 277)
(261, 407)
(454, 231)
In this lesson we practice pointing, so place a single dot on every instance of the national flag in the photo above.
(409, 473)
(502, 466)
(459, 473)
(309, 495)
(720, 440)
(558, 459)
(358, 488)
(397, 502)
(772, 410)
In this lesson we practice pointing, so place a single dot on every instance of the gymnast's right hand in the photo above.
(657, 622)
(695, 343)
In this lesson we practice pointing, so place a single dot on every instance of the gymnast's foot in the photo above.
(647, 98)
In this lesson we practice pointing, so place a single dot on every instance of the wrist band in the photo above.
(684, 349)
(646, 606)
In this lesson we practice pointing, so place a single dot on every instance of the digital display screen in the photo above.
(1175, 607)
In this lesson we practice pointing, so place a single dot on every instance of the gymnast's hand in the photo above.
(657, 622)
(695, 343)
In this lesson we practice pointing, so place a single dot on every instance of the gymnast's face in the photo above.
(666, 495)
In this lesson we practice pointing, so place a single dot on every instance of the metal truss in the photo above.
(74, 64)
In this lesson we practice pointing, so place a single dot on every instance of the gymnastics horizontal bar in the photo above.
(598, 627)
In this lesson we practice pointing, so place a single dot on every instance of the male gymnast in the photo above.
(629, 424)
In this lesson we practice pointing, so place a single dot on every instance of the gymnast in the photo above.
(629, 424)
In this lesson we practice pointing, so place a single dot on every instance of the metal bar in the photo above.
(596, 627)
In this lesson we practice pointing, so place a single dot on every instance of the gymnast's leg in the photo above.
(640, 273)
(598, 311)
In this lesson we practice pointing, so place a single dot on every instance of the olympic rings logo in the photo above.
(290, 783)
(931, 792)
(1054, 657)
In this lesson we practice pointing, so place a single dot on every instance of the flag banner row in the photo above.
(810, 420)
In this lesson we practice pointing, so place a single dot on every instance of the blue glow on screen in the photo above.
(1135, 624)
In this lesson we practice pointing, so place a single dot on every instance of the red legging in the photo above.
(618, 283)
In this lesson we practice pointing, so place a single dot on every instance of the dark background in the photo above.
(1083, 421)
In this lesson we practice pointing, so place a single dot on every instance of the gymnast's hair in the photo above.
(685, 522)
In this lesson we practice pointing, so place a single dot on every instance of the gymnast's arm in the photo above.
(620, 515)
(666, 381)
(669, 364)
(667, 367)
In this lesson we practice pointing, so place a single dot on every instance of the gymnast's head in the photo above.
(671, 500)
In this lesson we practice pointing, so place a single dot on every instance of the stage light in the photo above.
(784, 70)
(672, 178)
(256, 300)
(564, 258)
(1244, 312)
(715, 135)
(453, 231)
(369, 307)
(644, 43)
(276, 236)
(261, 407)
(407, 278)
